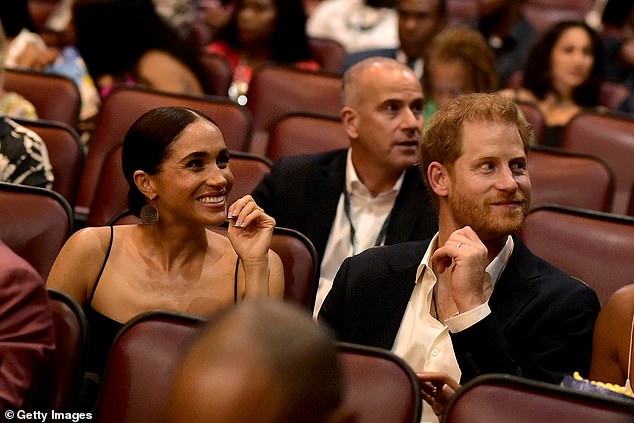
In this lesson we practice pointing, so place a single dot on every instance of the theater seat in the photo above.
(610, 137)
(592, 246)
(65, 152)
(111, 195)
(126, 104)
(55, 97)
(570, 179)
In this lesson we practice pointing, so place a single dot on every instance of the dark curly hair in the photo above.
(537, 73)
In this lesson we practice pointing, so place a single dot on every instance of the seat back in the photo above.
(329, 53)
(35, 223)
(55, 97)
(111, 194)
(126, 104)
(380, 387)
(511, 399)
(135, 386)
(610, 137)
(570, 179)
(62, 384)
(276, 90)
(592, 246)
(65, 152)
(299, 258)
(303, 133)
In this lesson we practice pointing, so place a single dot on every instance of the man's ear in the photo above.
(143, 182)
(438, 178)
(350, 120)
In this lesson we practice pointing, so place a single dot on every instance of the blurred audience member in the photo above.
(12, 103)
(23, 156)
(612, 345)
(263, 361)
(262, 31)
(459, 62)
(418, 23)
(126, 42)
(562, 75)
(26, 331)
(356, 24)
(618, 40)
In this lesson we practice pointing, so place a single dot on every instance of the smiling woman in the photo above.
(178, 167)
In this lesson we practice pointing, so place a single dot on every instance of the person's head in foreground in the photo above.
(263, 361)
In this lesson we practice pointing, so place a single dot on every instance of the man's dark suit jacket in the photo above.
(540, 326)
(302, 193)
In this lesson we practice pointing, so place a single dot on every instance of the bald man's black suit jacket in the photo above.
(540, 326)
(302, 193)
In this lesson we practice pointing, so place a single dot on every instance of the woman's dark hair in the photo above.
(289, 42)
(537, 73)
(112, 35)
(147, 144)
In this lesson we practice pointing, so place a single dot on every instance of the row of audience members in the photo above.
(253, 32)
(432, 302)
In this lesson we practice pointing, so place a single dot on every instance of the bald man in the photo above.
(263, 361)
(369, 194)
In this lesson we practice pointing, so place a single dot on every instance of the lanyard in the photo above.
(346, 209)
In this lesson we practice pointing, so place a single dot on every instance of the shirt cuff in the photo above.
(467, 319)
